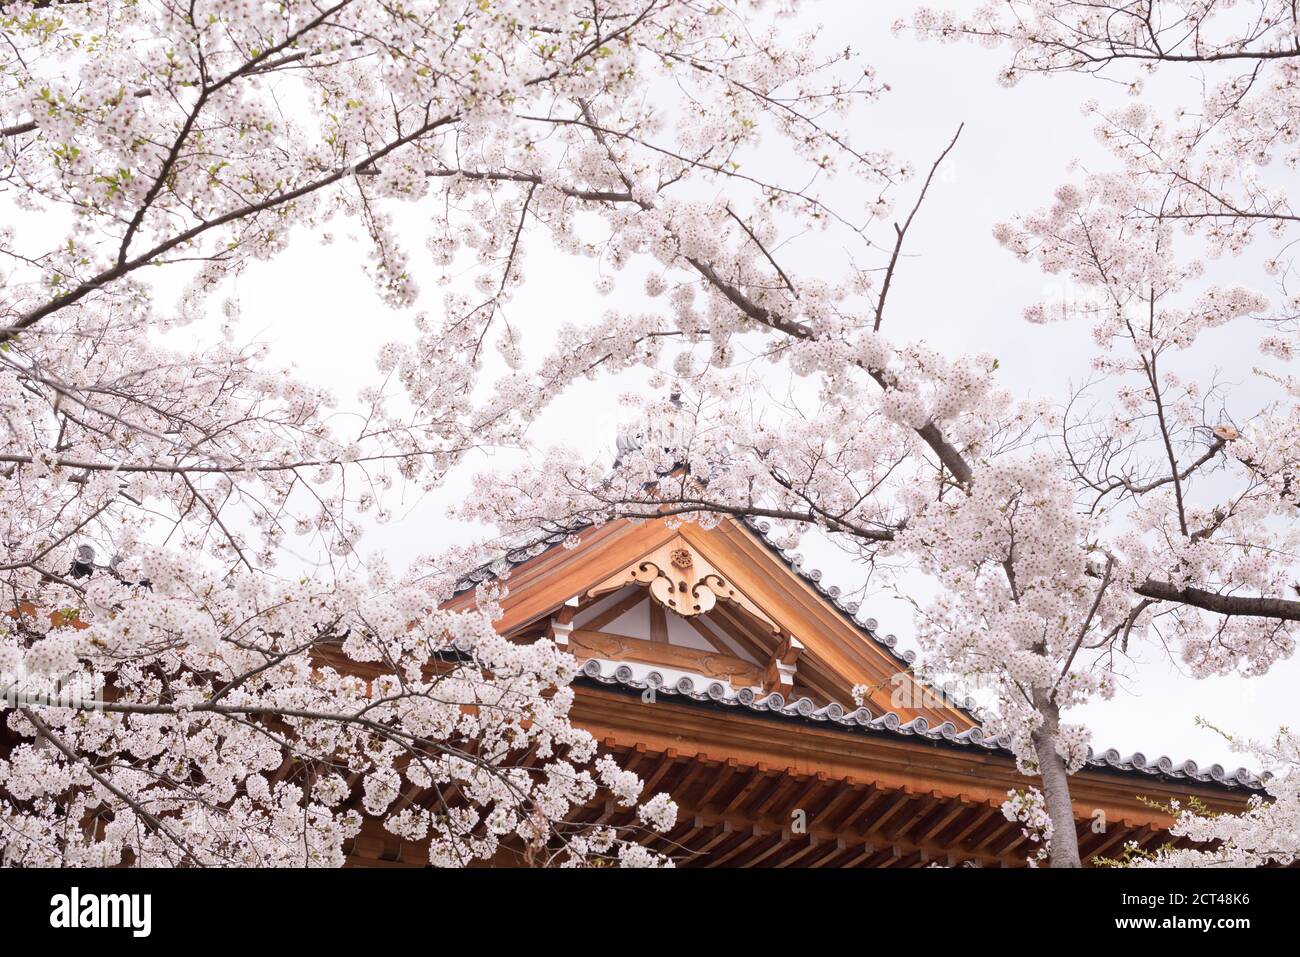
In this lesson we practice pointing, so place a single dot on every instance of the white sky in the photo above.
(959, 291)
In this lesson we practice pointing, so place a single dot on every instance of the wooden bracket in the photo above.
(560, 626)
(781, 666)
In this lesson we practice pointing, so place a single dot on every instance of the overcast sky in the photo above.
(959, 291)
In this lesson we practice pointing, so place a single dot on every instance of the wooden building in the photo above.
(718, 670)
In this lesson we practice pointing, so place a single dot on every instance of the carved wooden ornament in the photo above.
(682, 580)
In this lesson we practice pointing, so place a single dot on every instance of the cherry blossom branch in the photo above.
(192, 116)
(73, 758)
(124, 267)
(1220, 604)
(901, 232)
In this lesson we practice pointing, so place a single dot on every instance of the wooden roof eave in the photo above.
(839, 643)
(880, 759)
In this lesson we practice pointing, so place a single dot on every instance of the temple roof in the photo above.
(633, 676)
(536, 545)
(639, 678)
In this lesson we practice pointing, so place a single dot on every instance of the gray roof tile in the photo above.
(718, 694)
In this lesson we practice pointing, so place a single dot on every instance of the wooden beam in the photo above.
(658, 623)
(995, 831)
(1116, 835)
(825, 835)
(903, 799)
(833, 850)
(781, 838)
(585, 643)
(682, 842)
(701, 629)
(617, 610)
(868, 849)
(755, 781)
(1007, 845)
(719, 780)
(801, 853)
(779, 794)
(892, 859)
(725, 830)
(804, 801)
(781, 666)
(669, 759)
(981, 816)
(759, 648)
(561, 624)
(902, 823)
(811, 673)
(871, 801)
(695, 770)
(943, 818)
(752, 837)
(838, 800)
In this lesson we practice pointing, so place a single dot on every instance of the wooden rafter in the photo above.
(615, 611)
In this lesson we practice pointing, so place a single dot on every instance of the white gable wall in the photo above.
(635, 623)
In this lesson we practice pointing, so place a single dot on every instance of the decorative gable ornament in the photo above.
(683, 581)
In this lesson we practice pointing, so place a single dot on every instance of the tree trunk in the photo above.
(1056, 785)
